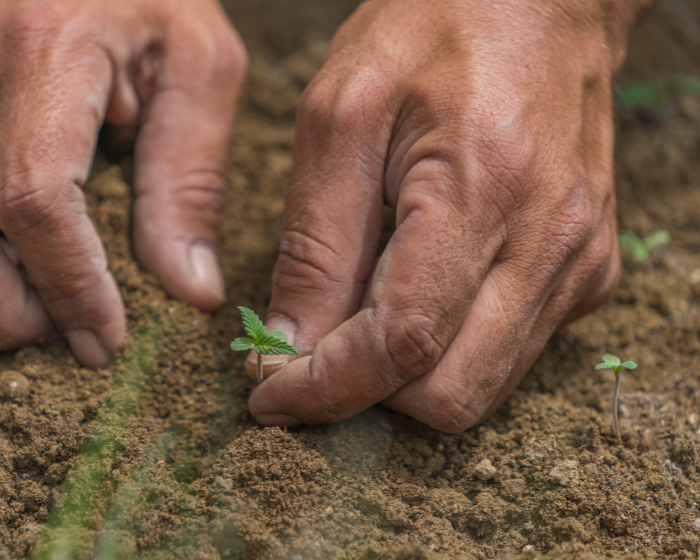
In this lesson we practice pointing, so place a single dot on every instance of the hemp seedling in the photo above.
(273, 343)
(613, 363)
(641, 248)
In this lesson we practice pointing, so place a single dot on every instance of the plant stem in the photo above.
(618, 378)
(260, 377)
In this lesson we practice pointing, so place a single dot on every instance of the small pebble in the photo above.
(225, 484)
(13, 385)
(485, 470)
(565, 473)
(696, 525)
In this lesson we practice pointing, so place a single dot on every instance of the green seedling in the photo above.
(273, 343)
(613, 363)
(641, 248)
(656, 95)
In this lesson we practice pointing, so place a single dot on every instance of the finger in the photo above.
(422, 291)
(333, 216)
(512, 318)
(181, 155)
(48, 132)
(23, 319)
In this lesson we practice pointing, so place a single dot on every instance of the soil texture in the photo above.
(156, 456)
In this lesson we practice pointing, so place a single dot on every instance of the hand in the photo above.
(174, 69)
(488, 127)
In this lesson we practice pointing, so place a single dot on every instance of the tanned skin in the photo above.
(487, 125)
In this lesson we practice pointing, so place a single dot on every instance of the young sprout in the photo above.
(641, 248)
(656, 95)
(613, 363)
(272, 343)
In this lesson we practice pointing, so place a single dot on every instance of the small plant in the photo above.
(641, 248)
(656, 95)
(273, 343)
(613, 363)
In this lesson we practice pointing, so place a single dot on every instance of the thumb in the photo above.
(331, 224)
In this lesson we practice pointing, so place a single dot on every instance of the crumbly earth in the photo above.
(156, 456)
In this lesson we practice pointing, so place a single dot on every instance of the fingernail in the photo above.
(276, 420)
(88, 349)
(271, 364)
(206, 270)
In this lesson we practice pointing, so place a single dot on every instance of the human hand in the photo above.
(488, 127)
(173, 68)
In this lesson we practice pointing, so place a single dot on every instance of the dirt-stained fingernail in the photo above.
(206, 270)
(88, 348)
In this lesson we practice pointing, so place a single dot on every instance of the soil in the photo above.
(156, 456)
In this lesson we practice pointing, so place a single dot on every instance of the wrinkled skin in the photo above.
(488, 126)
(173, 68)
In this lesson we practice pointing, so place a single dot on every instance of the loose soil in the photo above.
(156, 456)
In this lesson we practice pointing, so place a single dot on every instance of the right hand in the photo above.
(488, 126)
(173, 68)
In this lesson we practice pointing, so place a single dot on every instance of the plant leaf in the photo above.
(629, 364)
(603, 366)
(640, 252)
(252, 324)
(273, 346)
(279, 334)
(611, 359)
(628, 238)
(276, 351)
(243, 344)
(657, 238)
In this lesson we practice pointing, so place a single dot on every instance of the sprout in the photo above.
(656, 95)
(613, 362)
(641, 248)
(272, 343)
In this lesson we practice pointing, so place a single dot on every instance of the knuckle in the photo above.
(568, 231)
(231, 56)
(203, 195)
(33, 26)
(307, 263)
(28, 200)
(341, 105)
(576, 218)
(414, 344)
(505, 155)
(213, 51)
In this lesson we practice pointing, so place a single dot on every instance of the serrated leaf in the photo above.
(629, 364)
(603, 366)
(611, 359)
(279, 334)
(253, 325)
(273, 346)
(243, 344)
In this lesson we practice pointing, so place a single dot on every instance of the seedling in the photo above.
(656, 95)
(273, 343)
(641, 248)
(613, 363)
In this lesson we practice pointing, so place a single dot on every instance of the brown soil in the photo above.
(157, 457)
